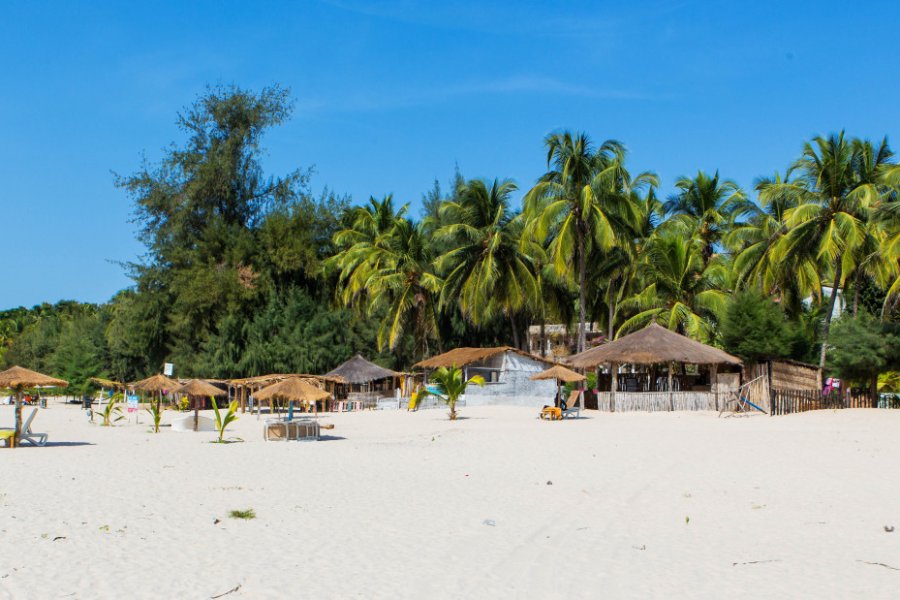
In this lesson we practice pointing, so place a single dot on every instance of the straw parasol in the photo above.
(292, 389)
(18, 378)
(559, 373)
(108, 383)
(197, 388)
(157, 384)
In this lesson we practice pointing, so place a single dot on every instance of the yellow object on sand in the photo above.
(413, 400)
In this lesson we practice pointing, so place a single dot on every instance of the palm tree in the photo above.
(452, 385)
(752, 244)
(487, 271)
(837, 184)
(403, 287)
(706, 206)
(579, 205)
(620, 268)
(359, 244)
(681, 292)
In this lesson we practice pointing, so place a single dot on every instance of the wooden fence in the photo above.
(658, 401)
(786, 402)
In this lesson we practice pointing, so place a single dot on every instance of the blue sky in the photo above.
(390, 95)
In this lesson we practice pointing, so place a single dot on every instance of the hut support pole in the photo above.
(713, 383)
(671, 396)
(613, 385)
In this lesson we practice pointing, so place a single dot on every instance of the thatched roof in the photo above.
(108, 383)
(560, 373)
(20, 377)
(276, 377)
(156, 383)
(291, 389)
(198, 387)
(652, 345)
(461, 357)
(359, 370)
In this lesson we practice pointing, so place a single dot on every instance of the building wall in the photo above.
(514, 387)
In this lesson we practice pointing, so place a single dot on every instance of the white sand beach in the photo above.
(497, 505)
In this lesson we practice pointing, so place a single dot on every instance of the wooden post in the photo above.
(671, 396)
(613, 385)
(713, 384)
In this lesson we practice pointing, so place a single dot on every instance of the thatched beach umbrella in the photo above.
(17, 379)
(559, 373)
(292, 389)
(157, 384)
(197, 389)
(108, 383)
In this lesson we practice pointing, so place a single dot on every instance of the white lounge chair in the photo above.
(573, 405)
(35, 439)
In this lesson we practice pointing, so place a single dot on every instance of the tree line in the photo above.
(246, 273)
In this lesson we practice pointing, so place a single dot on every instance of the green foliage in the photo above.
(111, 412)
(156, 411)
(862, 347)
(245, 273)
(754, 328)
(452, 385)
(223, 421)
(242, 514)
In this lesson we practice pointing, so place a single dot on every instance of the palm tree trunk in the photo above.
(581, 274)
(515, 331)
(543, 337)
(835, 288)
(611, 307)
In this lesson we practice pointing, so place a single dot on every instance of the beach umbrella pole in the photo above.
(18, 411)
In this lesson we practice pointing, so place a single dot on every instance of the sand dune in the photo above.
(496, 505)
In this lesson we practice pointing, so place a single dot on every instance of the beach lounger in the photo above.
(35, 439)
(573, 407)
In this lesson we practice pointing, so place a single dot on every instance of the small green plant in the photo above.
(243, 514)
(452, 385)
(111, 412)
(184, 404)
(223, 422)
(156, 410)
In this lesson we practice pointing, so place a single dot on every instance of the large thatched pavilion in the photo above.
(666, 371)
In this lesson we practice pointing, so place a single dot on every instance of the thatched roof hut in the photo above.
(461, 357)
(652, 345)
(359, 371)
(507, 373)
